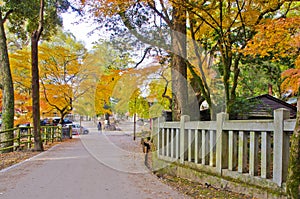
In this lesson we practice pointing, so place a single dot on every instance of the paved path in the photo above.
(90, 166)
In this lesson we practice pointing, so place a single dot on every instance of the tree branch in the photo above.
(191, 9)
(145, 53)
(287, 10)
(164, 16)
(144, 39)
(166, 89)
(241, 17)
(267, 11)
(46, 96)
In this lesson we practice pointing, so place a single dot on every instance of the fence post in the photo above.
(29, 135)
(281, 148)
(18, 139)
(221, 143)
(183, 119)
(70, 131)
(155, 130)
(59, 133)
(46, 135)
(156, 125)
(52, 135)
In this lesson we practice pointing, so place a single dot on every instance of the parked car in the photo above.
(67, 121)
(77, 129)
(55, 121)
(45, 122)
(24, 127)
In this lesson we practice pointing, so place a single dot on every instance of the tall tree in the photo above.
(6, 85)
(179, 64)
(35, 37)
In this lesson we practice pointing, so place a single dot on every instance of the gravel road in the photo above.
(91, 166)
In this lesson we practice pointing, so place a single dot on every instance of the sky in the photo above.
(80, 30)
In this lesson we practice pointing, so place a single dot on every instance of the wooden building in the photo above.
(263, 106)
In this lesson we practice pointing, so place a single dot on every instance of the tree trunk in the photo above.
(293, 179)
(35, 37)
(179, 66)
(38, 145)
(7, 90)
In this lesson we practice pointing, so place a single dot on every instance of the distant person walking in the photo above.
(99, 126)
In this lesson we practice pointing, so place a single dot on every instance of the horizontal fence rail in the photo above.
(23, 137)
(252, 150)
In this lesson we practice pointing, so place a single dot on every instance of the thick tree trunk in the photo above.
(293, 180)
(179, 66)
(7, 90)
(38, 145)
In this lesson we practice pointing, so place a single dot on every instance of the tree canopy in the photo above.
(216, 33)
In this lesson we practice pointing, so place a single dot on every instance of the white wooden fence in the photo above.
(243, 149)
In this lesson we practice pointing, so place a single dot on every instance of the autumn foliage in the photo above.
(279, 39)
(104, 91)
(291, 80)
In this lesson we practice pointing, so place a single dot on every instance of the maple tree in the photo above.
(64, 75)
(279, 38)
(291, 83)
(20, 66)
(63, 72)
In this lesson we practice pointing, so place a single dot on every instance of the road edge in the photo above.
(29, 159)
